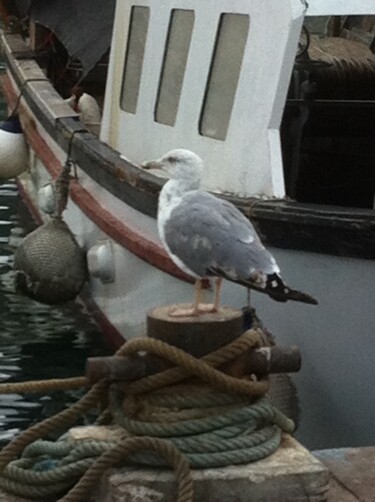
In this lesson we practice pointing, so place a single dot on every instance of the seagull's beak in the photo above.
(156, 167)
(152, 164)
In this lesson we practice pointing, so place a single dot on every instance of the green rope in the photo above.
(25, 472)
(239, 436)
(56, 450)
(34, 492)
(261, 411)
(219, 459)
(211, 443)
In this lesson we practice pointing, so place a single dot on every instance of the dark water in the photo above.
(36, 341)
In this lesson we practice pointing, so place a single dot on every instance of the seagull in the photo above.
(206, 236)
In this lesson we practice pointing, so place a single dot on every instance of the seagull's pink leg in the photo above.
(198, 307)
(197, 296)
(195, 308)
(212, 307)
(219, 282)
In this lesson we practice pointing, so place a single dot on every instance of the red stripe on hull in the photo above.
(114, 337)
(33, 210)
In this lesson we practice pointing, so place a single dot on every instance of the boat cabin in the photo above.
(215, 80)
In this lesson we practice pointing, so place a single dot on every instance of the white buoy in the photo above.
(47, 198)
(100, 261)
(87, 108)
(14, 152)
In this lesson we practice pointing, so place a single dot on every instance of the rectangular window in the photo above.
(174, 65)
(224, 74)
(134, 58)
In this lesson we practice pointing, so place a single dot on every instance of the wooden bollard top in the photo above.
(197, 335)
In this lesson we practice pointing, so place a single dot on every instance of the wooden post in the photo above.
(197, 335)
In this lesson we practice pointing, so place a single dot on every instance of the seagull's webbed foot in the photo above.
(207, 308)
(193, 311)
(183, 312)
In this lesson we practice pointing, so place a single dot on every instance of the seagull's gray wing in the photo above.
(209, 234)
(212, 237)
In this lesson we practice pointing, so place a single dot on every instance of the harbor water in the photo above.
(36, 341)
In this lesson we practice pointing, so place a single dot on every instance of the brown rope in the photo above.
(189, 365)
(147, 413)
(62, 184)
(40, 386)
(126, 447)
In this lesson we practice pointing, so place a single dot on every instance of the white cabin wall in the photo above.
(249, 161)
(111, 110)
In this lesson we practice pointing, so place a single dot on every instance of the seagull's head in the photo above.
(179, 164)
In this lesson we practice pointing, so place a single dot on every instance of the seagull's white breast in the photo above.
(168, 200)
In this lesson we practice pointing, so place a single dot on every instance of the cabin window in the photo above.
(224, 74)
(134, 58)
(174, 65)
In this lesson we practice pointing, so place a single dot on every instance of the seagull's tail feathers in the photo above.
(274, 287)
(279, 291)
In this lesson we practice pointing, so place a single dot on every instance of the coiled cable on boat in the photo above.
(166, 419)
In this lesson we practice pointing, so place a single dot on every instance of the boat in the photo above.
(163, 78)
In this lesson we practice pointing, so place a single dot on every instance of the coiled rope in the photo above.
(170, 418)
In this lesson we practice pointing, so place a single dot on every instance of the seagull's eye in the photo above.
(172, 160)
